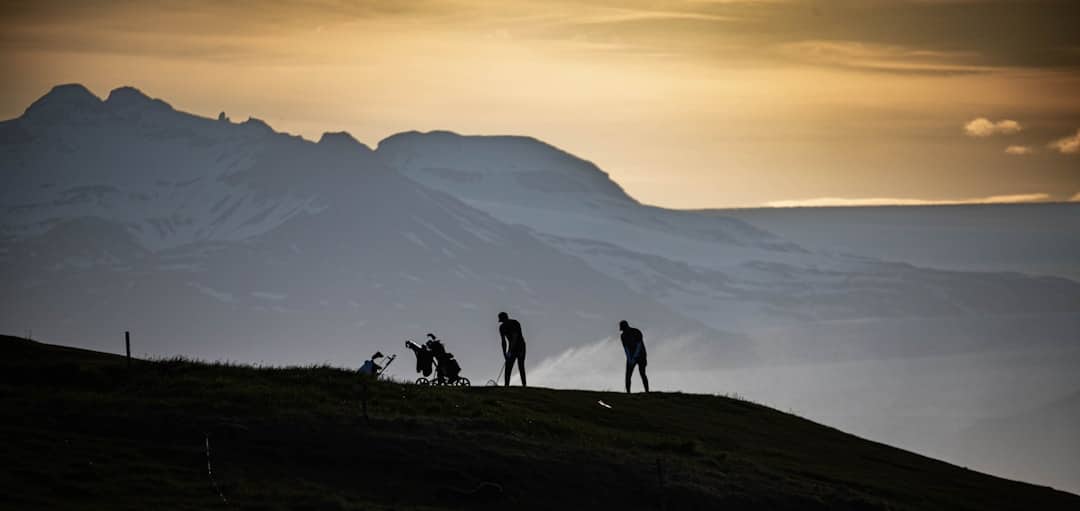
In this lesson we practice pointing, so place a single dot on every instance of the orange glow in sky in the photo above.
(687, 104)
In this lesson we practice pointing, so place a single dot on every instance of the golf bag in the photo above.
(433, 353)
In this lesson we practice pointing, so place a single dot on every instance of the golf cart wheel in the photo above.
(464, 382)
(422, 381)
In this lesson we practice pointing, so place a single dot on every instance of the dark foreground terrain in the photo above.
(81, 430)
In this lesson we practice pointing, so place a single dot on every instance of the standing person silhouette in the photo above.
(633, 343)
(513, 346)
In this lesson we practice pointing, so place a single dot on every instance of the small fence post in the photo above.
(364, 397)
(660, 478)
(127, 346)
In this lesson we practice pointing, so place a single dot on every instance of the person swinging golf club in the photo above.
(513, 347)
(633, 343)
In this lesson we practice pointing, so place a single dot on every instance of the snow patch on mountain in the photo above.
(134, 160)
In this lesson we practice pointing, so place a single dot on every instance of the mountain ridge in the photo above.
(325, 226)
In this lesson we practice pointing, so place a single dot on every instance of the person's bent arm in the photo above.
(503, 338)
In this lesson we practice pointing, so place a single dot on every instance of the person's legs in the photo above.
(644, 379)
(521, 368)
(506, 371)
(629, 373)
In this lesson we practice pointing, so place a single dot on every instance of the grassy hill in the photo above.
(84, 431)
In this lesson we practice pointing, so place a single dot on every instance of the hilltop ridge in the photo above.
(97, 434)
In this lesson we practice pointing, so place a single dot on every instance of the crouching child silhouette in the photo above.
(370, 371)
(370, 368)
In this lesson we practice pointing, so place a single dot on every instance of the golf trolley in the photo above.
(432, 357)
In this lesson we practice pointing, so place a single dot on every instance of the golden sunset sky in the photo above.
(687, 104)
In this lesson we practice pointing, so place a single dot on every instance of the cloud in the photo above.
(600, 365)
(621, 15)
(1019, 150)
(983, 127)
(881, 58)
(891, 201)
(1067, 145)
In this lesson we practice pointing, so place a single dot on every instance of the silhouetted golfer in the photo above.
(633, 344)
(513, 346)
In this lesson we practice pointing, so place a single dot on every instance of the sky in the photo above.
(687, 104)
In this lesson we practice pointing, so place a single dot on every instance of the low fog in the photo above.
(946, 407)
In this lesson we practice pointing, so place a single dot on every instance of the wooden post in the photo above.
(364, 397)
(127, 346)
(660, 478)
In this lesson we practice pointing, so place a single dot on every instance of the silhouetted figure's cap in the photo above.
(503, 316)
(378, 354)
(431, 336)
(623, 325)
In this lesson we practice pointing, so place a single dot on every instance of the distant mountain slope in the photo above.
(96, 435)
(1039, 239)
(521, 170)
(518, 178)
(717, 268)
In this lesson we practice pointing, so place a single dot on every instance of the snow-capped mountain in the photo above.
(192, 194)
(225, 240)
(171, 178)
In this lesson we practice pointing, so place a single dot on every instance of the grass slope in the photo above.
(82, 431)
